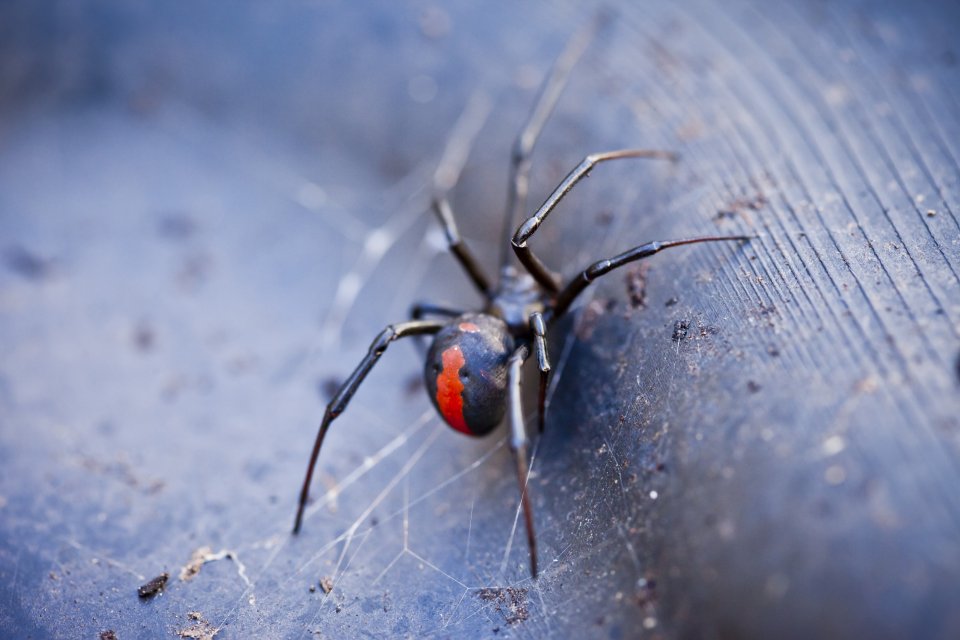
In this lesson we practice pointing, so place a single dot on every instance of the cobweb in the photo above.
(176, 310)
(478, 579)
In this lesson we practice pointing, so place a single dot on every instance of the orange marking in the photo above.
(450, 389)
(469, 327)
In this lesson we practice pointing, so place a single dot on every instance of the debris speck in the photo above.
(200, 629)
(197, 560)
(153, 587)
(753, 387)
(740, 205)
(511, 602)
(326, 583)
(109, 634)
(680, 328)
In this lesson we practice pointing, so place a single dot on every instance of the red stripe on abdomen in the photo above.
(450, 389)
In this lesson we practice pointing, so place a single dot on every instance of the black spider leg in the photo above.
(421, 309)
(539, 328)
(518, 445)
(550, 92)
(348, 388)
(441, 207)
(547, 279)
(576, 286)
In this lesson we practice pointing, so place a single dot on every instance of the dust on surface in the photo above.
(154, 586)
(200, 629)
(509, 602)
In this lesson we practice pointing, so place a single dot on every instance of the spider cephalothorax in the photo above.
(472, 369)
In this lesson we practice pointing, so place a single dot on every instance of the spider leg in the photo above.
(349, 387)
(550, 91)
(518, 445)
(547, 279)
(421, 309)
(576, 286)
(543, 362)
(459, 249)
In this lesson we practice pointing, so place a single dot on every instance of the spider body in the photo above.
(516, 299)
(472, 369)
(466, 372)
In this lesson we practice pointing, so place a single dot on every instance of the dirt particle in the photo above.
(740, 205)
(109, 634)
(510, 602)
(753, 387)
(636, 280)
(708, 330)
(680, 328)
(197, 559)
(326, 583)
(200, 629)
(154, 586)
(670, 302)
(646, 591)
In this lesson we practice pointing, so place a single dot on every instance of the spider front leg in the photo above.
(550, 91)
(518, 445)
(576, 286)
(459, 249)
(546, 278)
(339, 402)
(539, 328)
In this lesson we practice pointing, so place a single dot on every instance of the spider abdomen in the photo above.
(466, 372)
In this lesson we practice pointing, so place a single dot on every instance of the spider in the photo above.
(472, 368)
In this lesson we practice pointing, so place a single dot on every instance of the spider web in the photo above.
(198, 292)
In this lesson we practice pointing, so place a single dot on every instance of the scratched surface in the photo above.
(205, 216)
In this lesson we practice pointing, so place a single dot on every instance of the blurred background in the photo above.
(208, 210)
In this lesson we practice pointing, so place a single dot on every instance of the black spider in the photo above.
(473, 365)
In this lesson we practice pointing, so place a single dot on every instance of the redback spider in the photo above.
(472, 368)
